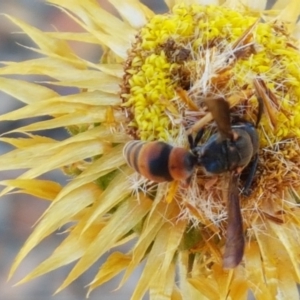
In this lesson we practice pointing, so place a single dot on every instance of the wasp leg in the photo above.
(253, 166)
(194, 141)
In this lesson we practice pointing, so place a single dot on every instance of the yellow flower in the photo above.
(154, 72)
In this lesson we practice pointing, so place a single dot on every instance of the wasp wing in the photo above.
(235, 243)
(220, 111)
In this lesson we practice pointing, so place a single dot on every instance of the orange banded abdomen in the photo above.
(159, 161)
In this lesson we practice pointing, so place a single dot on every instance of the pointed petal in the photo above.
(110, 198)
(49, 45)
(84, 37)
(160, 258)
(97, 18)
(44, 189)
(55, 159)
(206, 286)
(254, 265)
(115, 263)
(56, 216)
(289, 11)
(92, 115)
(64, 105)
(172, 3)
(268, 246)
(72, 76)
(206, 2)
(124, 219)
(117, 44)
(107, 163)
(152, 225)
(135, 8)
(26, 92)
(62, 255)
(44, 108)
(259, 5)
(163, 289)
(289, 243)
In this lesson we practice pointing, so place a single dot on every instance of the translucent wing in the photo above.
(234, 247)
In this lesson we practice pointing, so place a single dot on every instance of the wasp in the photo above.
(232, 148)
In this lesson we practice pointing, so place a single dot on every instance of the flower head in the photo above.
(155, 74)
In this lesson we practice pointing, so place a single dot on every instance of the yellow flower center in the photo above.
(197, 52)
(193, 48)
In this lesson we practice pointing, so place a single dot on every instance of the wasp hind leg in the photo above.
(250, 176)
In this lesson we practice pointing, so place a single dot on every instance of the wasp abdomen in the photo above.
(159, 161)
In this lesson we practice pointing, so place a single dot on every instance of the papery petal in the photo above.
(123, 220)
(130, 8)
(44, 189)
(56, 216)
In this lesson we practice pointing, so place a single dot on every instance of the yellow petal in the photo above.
(72, 75)
(107, 163)
(64, 105)
(49, 45)
(107, 84)
(116, 70)
(135, 8)
(118, 189)
(153, 223)
(190, 292)
(286, 283)
(207, 2)
(289, 11)
(44, 108)
(163, 289)
(259, 5)
(268, 245)
(160, 259)
(289, 243)
(44, 189)
(176, 295)
(26, 92)
(33, 140)
(62, 255)
(123, 220)
(23, 158)
(114, 264)
(97, 18)
(207, 286)
(84, 37)
(172, 3)
(92, 115)
(56, 216)
(55, 159)
(118, 44)
(254, 265)
(97, 98)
